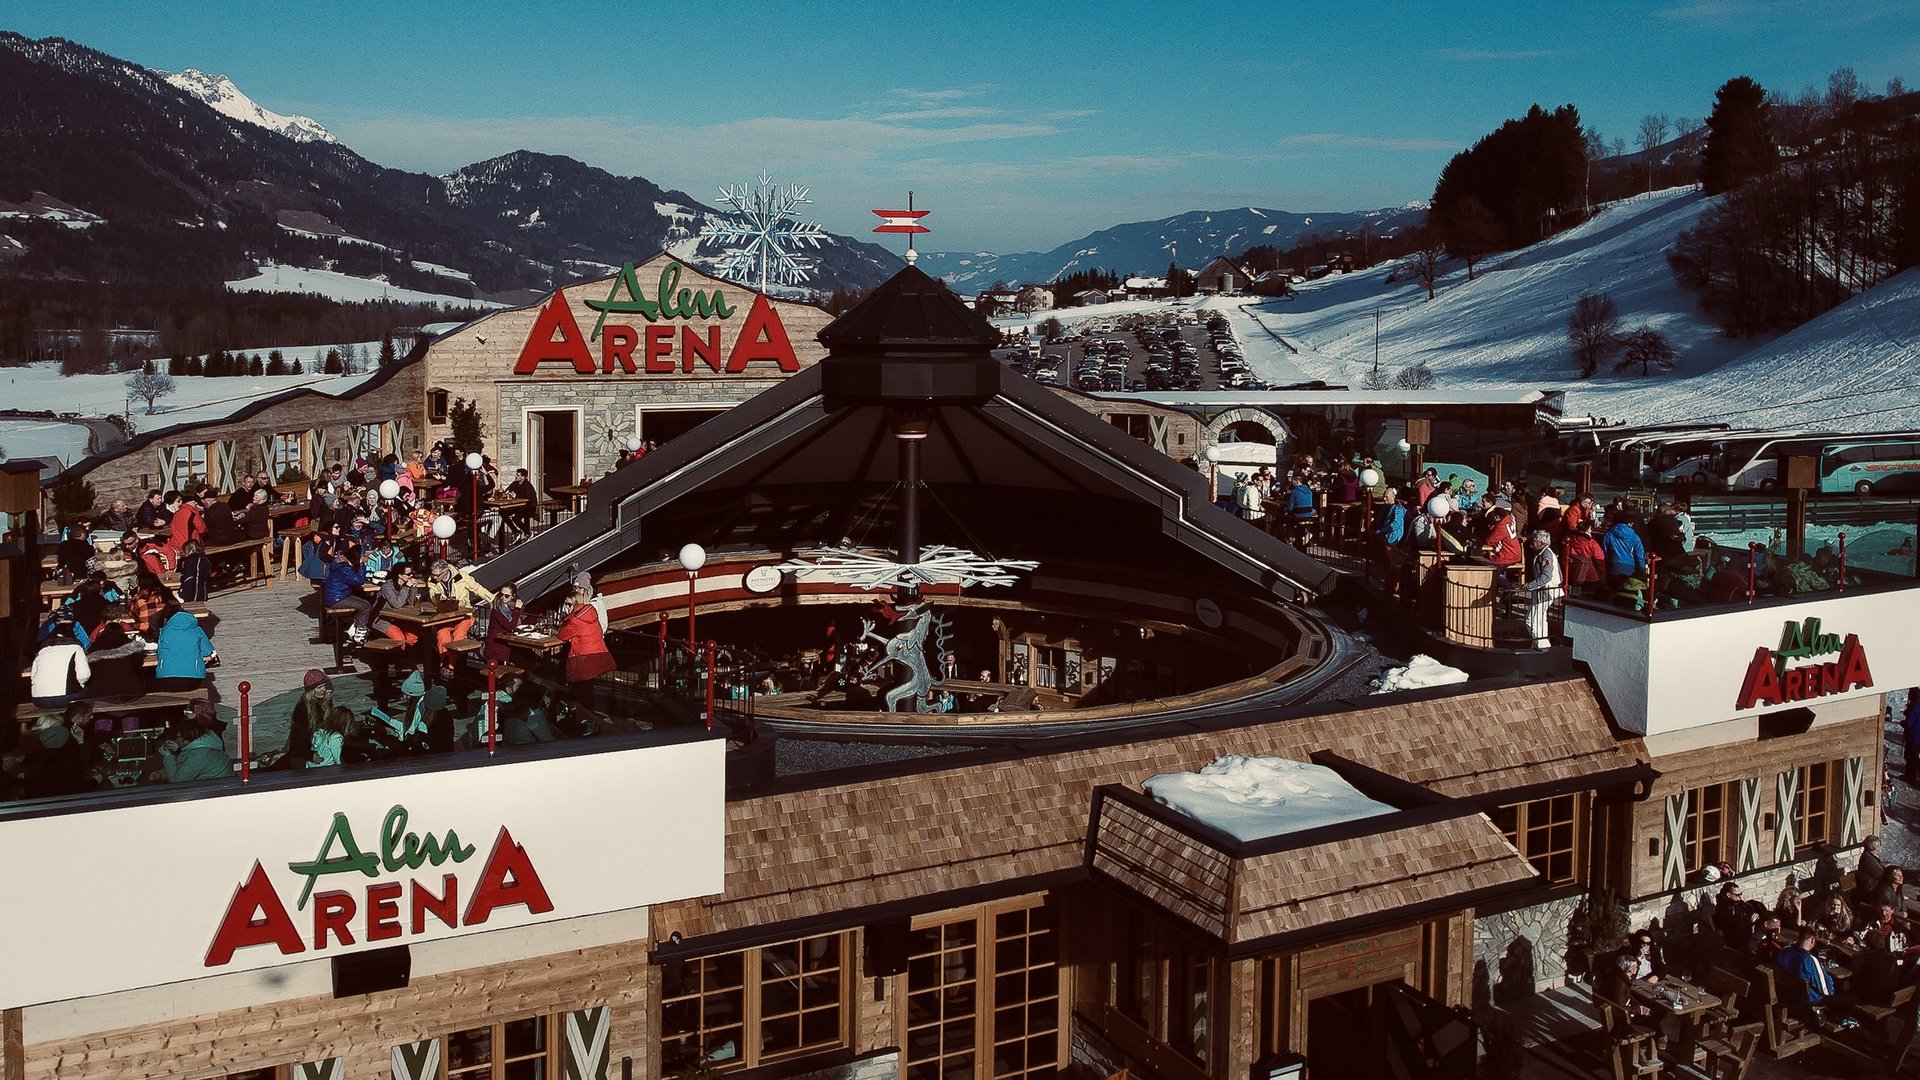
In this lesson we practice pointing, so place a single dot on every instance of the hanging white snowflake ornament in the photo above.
(938, 565)
(761, 235)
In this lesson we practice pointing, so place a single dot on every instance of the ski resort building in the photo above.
(818, 887)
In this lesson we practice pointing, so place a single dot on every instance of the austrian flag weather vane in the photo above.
(904, 221)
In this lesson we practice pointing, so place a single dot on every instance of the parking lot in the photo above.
(1141, 354)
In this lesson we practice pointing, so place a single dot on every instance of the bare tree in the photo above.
(1653, 132)
(1649, 348)
(1594, 330)
(1471, 231)
(1896, 87)
(1843, 89)
(1415, 376)
(1684, 126)
(1426, 261)
(150, 386)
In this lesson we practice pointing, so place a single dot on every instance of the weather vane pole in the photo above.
(904, 221)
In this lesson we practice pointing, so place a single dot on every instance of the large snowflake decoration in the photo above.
(938, 565)
(762, 233)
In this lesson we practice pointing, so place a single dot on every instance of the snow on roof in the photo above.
(1251, 798)
(1419, 673)
(1421, 398)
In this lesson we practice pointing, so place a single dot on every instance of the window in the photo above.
(271, 1072)
(1548, 833)
(522, 1049)
(1813, 804)
(1705, 841)
(1164, 983)
(742, 1009)
(1047, 663)
(365, 440)
(286, 455)
(1134, 424)
(189, 467)
(983, 997)
(436, 406)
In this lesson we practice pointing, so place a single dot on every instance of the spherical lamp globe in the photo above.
(474, 461)
(389, 489)
(1211, 453)
(444, 526)
(1369, 478)
(1439, 506)
(633, 444)
(692, 558)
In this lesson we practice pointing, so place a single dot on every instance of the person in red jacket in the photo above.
(189, 522)
(587, 655)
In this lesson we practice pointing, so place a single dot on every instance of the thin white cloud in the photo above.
(1492, 54)
(945, 112)
(951, 93)
(1334, 140)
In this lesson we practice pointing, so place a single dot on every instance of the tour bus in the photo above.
(1867, 465)
(1712, 461)
(1754, 464)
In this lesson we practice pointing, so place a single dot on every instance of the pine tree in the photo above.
(1740, 142)
(276, 363)
(254, 367)
(296, 369)
(332, 366)
(387, 356)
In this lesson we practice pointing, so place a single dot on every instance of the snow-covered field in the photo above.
(343, 287)
(195, 399)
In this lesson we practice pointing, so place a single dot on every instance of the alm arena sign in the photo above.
(297, 870)
(680, 330)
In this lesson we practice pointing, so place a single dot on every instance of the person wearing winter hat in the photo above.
(309, 714)
(438, 719)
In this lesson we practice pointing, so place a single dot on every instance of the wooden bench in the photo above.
(1631, 1045)
(1885, 1037)
(1726, 1058)
(1786, 1033)
(258, 563)
(159, 701)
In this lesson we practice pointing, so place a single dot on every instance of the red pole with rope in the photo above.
(246, 732)
(1843, 562)
(493, 706)
(474, 510)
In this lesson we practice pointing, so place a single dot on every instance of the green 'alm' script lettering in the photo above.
(669, 301)
(399, 849)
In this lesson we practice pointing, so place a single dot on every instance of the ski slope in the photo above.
(343, 287)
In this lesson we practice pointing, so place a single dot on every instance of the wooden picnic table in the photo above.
(423, 621)
(1684, 1000)
(575, 493)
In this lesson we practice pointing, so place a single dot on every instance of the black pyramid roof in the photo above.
(910, 309)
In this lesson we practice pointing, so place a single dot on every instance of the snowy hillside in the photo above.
(225, 98)
(1856, 367)
(346, 287)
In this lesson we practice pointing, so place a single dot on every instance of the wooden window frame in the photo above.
(184, 478)
(992, 970)
(1807, 810)
(553, 1037)
(752, 991)
(439, 402)
(1698, 839)
(274, 1072)
(1529, 826)
(294, 441)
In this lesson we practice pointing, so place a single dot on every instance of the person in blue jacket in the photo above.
(344, 578)
(1626, 554)
(183, 650)
(1389, 532)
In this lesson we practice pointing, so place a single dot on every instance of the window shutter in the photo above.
(1852, 783)
(316, 451)
(164, 458)
(584, 1047)
(395, 430)
(1747, 826)
(1673, 865)
(1785, 831)
(417, 1061)
(223, 461)
(266, 457)
(327, 1069)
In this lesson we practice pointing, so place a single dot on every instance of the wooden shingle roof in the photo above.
(922, 841)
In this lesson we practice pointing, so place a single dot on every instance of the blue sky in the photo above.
(1020, 126)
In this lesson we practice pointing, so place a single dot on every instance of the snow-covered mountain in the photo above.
(1146, 247)
(219, 92)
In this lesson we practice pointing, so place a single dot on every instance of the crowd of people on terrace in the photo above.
(1545, 543)
(1850, 943)
(130, 626)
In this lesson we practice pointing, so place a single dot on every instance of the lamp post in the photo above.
(474, 464)
(443, 529)
(389, 491)
(1212, 454)
(1369, 479)
(692, 558)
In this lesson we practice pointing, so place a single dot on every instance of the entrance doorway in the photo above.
(1388, 1029)
(1343, 1035)
(553, 447)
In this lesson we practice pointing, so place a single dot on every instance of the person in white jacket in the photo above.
(1543, 586)
(60, 671)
